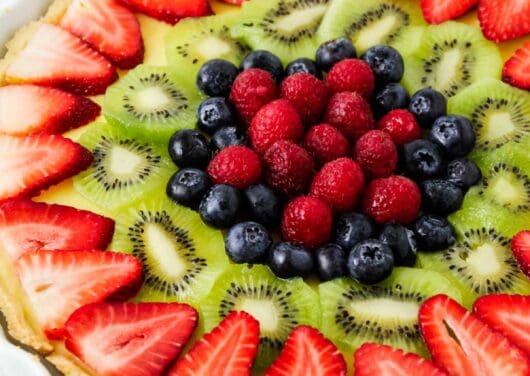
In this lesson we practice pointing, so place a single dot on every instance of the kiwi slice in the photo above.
(279, 305)
(284, 27)
(371, 22)
(386, 313)
(152, 103)
(451, 57)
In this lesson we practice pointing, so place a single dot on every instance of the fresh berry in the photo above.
(247, 242)
(59, 282)
(351, 75)
(188, 186)
(307, 349)
(308, 94)
(234, 342)
(238, 166)
(129, 338)
(401, 125)
(228, 136)
(454, 134)
(350, 113)
(288, 260)
(423, 159)
(516, 69)
(401, 241)
(376, 153)
(370, 261)
(288, 168)
(189, 148)
(339, 183)
(441, 196)
(331, 262)
(264, 60)
(170, 11)
(220, 206)
(386, 63)
(277, 120)
(436, 12)
(351, 228)
(504, 20)
(333, 51)
(427, 105)
(463, 172)
(303, 65)
(395, 198)
(326, 143)
(263, 205)
(433, 233)
(216, 76)
(46, 110)
(215, 113)
(521, 250)
(251, 90)
(234, 2)
(390, 97)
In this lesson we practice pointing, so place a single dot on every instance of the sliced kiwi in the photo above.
(152, 103)
(284, 27)
(385, 313)
(279, 305)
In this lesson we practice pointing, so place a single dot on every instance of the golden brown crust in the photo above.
(15, 46)
(67, 363)
(56, 11)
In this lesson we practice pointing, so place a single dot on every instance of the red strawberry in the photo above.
(502, 20)
(234, 2)
(170, 11)
(463, 345)
(353, 75)
(109, 27)
(308, 94)
(521, 250)
(308, 353)
(229, 349)
(326, 143)
(373, 359)
(401, 125)
(54, 57)
(376, 153)
(59, 282)
(351, 114)
(516, 70)
(438, 11)
(133, 339)
(31, 109)
(238, 166)
(31, 163)
(29, 226)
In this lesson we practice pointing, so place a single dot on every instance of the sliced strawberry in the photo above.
(32, 109)
(109, 27)
(521, 250)
(516, 70)
(502, 20)
(170, 11)
(233, 2)
(464, 345)
(118, 339)
(30, 226)
(54, 57)
(307, 352)
(30, 164)
(59, 282)
(438, 11)
(229, 349)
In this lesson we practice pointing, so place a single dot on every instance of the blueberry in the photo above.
(454, 134)
(303, 65)
(263, 205)
(214, 113)
(463, 172)
(333, 51)
(331, 262)
(228, 136)
(189, 148)
(428, 105)
(351, 228)
(220, 206)
(386, 63)
(423, 159)
(441, 196)
(216, 76)
(390, 97)
(433, 233)
(370, 261)
(401, 241)
(187, 187)
(247, 242)
(288, 260)
(264, 60)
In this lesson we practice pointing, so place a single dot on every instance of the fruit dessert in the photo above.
(289, 188)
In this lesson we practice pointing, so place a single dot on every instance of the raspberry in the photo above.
(352, 75)
(395, 198)
(401, 125)
(376, 153)
(238, 166)
(339, 183)
(251, 90)
(326, 143)
(308, 94)
(277, 120)
(350, 113)
(307, 220)
(289, 168)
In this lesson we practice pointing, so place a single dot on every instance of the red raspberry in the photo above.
(352, 75)
(277, 120)
(401, 125)
(251, 90)
(339, 183)
(350, 113)
(289, 168)
(308, 94)
(326, 143)
(376, 153)
(395, 198)
(237, 166)
(307, 221)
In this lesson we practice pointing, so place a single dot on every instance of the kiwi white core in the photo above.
(164, 252)
(301, 18)
(448, 68)
(152, 98)
(506, 190)
(376, 32)
(499, 125)
(212, 47)
(386, 309)
(484, 260)
(123, 162)
(264, 311)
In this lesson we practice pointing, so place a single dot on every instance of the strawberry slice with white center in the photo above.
(132, 339)
(228, 350)
(32, 109)
(438, 11)
(502, 20)
(54, 57)
(516, 70)
(59, 282)
(109, 27)
(30, 164)
(30, 226)
(170, 11)
(463, 345)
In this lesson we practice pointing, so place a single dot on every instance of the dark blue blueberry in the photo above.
(247, 242)
(351, 228)
(331, 262)
(263, 205)
(427, 105)
(220, 206)
(463, 172)
(454, 134)
(333, 51)
(440, 196)
(433, 233)
(228, 136)
(189, 148)
(216, 76)
(386, 63)
(303, 65)
(370, 261)
(215, 113)
(187, 187)
(390, 97)
(423, 159)
(288, 260)
(401, 241)
(264, 60)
